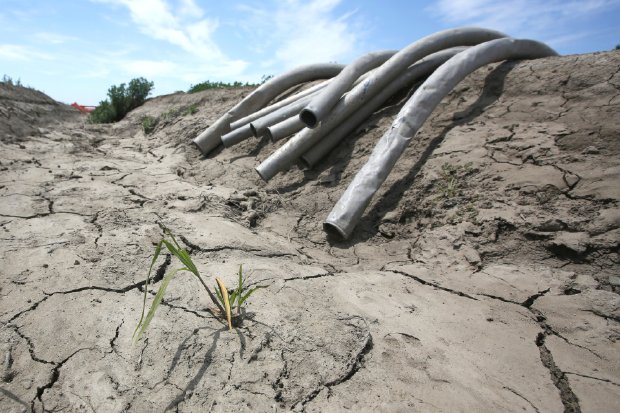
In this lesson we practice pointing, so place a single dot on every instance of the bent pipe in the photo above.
(288, 153)
(320, 106)
(284, 102)
(413, 74)
(210, 138)
(285, 128)
(351, 205)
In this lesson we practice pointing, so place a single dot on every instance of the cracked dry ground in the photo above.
(483, 278)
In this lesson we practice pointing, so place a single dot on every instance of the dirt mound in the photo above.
(483, 277)
(24, 110)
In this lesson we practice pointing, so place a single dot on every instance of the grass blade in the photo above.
(247, 295)
(158, 297)
(146, 283)
(224, 294)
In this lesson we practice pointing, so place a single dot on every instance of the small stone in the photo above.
(250, 192)
(614, 280)
(76, 262)
(552, 225)
(591, 150)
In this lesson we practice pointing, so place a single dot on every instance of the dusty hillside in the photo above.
(484, 277)
(23, 110)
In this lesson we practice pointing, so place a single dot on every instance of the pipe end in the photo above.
(260, 173)
(308, 117)
(269, 135)
(254, 130)
(334, 231)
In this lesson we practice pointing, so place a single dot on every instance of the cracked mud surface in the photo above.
(484, 277)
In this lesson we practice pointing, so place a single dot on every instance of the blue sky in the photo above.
(73, 50)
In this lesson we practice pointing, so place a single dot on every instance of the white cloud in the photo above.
(149, 68)
(16, 52)
(53, 38)
(518, 17)
(299, 32)
(183, 27)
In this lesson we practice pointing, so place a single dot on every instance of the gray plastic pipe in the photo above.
(284, 102)
(320, 106)
(211, 137)
(259, 126)
(285, 128)
(288, 153)
(414, 73)
(350, 207)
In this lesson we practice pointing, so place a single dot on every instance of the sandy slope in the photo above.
(500, 294)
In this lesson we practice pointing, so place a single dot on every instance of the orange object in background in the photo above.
(82, 108)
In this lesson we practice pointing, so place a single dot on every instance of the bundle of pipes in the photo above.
(326, 113)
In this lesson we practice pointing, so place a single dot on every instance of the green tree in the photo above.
(121, 100)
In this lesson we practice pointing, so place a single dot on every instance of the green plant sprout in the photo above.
(221, 301)
(235, 299)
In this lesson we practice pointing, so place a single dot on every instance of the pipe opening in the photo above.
(254, 131)
(334, 231)
(269, 135)
(304, 163)
(261, 175)
(308, 117)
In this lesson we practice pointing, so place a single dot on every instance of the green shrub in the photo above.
(217, 85)
(148, 124)
(193, 108)
(121, 100)
(9, 81)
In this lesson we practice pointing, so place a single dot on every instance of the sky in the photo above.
(74, 50)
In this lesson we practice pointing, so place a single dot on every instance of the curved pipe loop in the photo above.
(320, 106)
(348, 210)
(285, 128)
(288, 153)
(413, 74)
(210, 138)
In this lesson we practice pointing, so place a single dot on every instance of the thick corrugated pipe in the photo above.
(288, 153)
(413, 74)
(348, 210)
(211, 137)
(279, 104)
(285, 128)
(321, 105)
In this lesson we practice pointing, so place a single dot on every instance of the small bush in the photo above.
(9, 81)
(148, 124)
(122, 99)
(217, 85)
(193, 108)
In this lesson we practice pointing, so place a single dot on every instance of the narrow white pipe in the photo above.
(348, 210)
(285, 128)
(284, 102)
